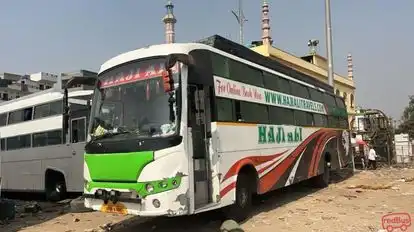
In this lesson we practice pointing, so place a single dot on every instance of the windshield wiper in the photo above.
(110, 134)
(107, 135)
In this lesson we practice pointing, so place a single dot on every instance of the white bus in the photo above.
(179, 129)
(38, 153)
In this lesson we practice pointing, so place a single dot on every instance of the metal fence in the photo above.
(403, 155)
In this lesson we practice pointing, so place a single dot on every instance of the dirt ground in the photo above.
(356, 204)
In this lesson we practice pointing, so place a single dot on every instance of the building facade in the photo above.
(14, 86)
(80, 73)
(44, 80)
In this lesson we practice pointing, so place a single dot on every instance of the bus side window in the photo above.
(320, 120)
(3, 144)
(78, 130)
(238, 111)
(225, 110)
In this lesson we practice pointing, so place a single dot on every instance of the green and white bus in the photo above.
(184, 128)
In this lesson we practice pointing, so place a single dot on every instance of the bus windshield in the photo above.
(131, 100)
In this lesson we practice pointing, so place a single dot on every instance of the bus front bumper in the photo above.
(150, 206)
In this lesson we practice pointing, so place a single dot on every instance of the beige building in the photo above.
(313, 64)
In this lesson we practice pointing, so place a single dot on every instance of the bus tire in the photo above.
(55, 186)
(322, 181)
(240, 210)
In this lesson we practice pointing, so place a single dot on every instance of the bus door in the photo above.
(206, 187)
(78, 126)
(78, 121)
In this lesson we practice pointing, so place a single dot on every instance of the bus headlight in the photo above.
(149, 188)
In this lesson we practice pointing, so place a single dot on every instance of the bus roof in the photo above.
(149, 51)
(223, 47)
(38, 98)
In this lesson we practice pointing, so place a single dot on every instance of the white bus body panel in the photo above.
(24, 169)
(230, 144)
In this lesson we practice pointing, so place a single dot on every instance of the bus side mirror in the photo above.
(172, 59)
(167, 82)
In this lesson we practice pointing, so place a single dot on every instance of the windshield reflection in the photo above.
(141, 108)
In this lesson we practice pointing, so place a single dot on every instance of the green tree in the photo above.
(407, 119)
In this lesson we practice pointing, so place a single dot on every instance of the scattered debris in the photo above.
(33, 207)
(64, 202)
(230, 226)
(408, 179)
(78, 205)
(328, 217)
(90, 230)
(106, 226)
(350, 196)
(370, 187)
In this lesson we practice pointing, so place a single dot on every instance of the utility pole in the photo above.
(328, 33)
(240, 20)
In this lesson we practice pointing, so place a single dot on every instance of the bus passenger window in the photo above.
(309, 119)
(3, 119)
(281, 116)
(320, 120)
(254, 113)
(303, 118)
(78, 130)
(225, 110)
(3, 144)
(28, 114)
(300, 118)
(239, 117)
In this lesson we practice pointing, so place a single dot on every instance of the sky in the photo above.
(61, 36)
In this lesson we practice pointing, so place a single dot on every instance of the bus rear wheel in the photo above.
(55, 186)
(240, 210)
(322, 181)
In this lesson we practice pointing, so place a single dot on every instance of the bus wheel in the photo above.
(240, 210)
(55, 186)
(322, 181)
